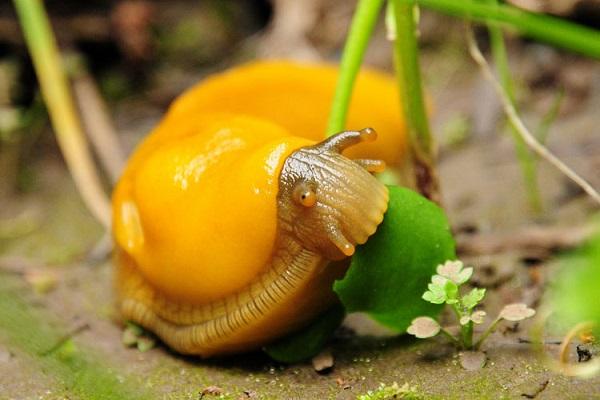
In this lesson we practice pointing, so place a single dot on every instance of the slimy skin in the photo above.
(323, 205)
(298, 97)
(348, 201)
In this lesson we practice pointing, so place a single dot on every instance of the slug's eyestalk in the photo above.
(341, 141)
(329, 202)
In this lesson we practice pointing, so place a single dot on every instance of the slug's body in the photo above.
(230, 231)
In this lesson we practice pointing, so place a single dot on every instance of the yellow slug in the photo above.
(231, 221)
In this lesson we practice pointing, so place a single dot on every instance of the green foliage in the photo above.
(387, 273)
(307, 342)
(552, 30)
(474, 297)
(408, 77)
(135, 336)
(525, 157)
(549, 117)
(436, 294)
(361, 29)
(385, 276)
(576, 290)
(445, 288)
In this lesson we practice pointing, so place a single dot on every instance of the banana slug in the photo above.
(231, 235)
(231, 222)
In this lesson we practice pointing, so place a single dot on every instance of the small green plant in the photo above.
(445, 289)
(135, 336)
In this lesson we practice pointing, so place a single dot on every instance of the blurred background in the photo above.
(138, 55)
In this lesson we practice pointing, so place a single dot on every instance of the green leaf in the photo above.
(464, 275)
(574, 292)
(389, 273)
(454, 271)
(439, 280)
(473, 298)
(435, 297)
(308, 342)
(436, 293)
(451, 290)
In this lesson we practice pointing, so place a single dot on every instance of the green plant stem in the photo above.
(450, 336)
(467, 335)
(55, 90)
(544, 127)
(529, 138)
(95, 116)
(361, 29)
(408, 73)
(457, 312)
(527, 161)
(466, 331)
(552, 30)
(486, 333)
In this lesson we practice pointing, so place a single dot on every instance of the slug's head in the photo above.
(329, 202)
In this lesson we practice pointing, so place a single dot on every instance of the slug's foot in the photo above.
(243, 321)
(346, 202)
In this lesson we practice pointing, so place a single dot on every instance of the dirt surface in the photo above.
(82, 297)
(483, 194)
(479, 181)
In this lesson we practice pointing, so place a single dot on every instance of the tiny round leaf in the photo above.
(424, 327)
(516, 312)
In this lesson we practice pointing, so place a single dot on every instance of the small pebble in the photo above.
(323, 361)
(472, 360)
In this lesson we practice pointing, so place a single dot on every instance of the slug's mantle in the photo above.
(231, 226)
(298, 97)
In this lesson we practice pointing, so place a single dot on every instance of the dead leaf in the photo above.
(211, 391)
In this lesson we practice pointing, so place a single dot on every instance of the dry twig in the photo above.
(521, 129)
(98, 124)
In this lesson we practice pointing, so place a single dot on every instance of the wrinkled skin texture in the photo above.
(325, 204)
(348, 206)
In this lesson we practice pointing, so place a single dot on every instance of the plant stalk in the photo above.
(529, 138)
(466, 331)
(467, 335)
(408, 73)
(361, 29)
(486, 333)
(552, 30)
(96, 119)
(55, 90)
(450, 336)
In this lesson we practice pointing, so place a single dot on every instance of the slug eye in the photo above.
(305, 194)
